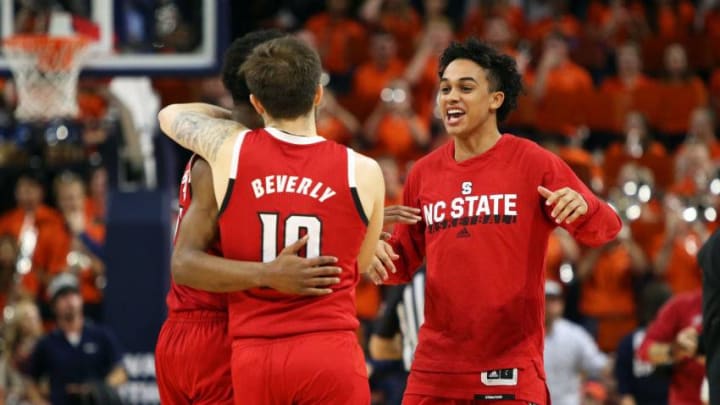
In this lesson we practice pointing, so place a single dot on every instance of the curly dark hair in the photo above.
(501, 70)
(235, 56)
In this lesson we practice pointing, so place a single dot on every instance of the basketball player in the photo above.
(284, 182)
(197, 321)
(489, 202)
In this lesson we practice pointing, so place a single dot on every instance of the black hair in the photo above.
(501, 69)
(235, 56)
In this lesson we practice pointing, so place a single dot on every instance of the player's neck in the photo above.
(302, 126)
(475, 144)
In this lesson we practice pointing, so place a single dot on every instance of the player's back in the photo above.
(282, 187)
(182, 298)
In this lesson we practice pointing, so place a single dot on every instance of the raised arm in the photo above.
(206, 130)
(194, 267)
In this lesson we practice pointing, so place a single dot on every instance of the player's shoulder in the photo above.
(686, 298)
(364, 164)
(200, 168)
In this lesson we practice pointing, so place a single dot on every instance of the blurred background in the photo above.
(626, 92)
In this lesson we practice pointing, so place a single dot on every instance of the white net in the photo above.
(45, 70)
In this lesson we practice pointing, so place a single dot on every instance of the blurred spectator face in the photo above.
(497, 32)
(68, 306)
(635, 123)
(98, 183)
(435, 7)
(675, 60)
(28, 318)
(702, 125)
(71, 196)
(391, 173)
(396, 4)
(28, 194)
(307, 37)
(337, 7)
(628, 60)
(440, 33)
(8, 252)
(556, 45)
(382, 48)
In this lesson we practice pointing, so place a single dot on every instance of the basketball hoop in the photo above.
(46, 70)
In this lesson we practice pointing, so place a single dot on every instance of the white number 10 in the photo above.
(293, 225)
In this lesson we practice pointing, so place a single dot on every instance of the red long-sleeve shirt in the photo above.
(682, 311)
(484, 235)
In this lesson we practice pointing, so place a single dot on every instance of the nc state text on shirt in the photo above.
(471, 205)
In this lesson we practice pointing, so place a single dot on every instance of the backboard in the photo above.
(132, 37)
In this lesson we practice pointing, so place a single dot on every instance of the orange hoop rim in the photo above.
(30, 42)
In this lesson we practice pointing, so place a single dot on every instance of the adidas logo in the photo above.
(493, 374)
(463, 233)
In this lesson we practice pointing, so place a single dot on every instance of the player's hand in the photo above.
(401, 214)
(382, 262)
(568, 204)
(292, 274)
(686, 343)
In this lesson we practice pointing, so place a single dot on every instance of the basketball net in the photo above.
(46, 68)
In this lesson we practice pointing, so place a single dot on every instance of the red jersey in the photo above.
(182, 298)
(680, 312)
(282, 187)
(484, 235)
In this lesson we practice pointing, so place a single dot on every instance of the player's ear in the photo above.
(496, 99)
(257, 105)
(319, 91)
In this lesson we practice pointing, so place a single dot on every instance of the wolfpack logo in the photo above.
(471, 210)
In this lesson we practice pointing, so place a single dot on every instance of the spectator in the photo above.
(81, 360)
(637, 146)
(702, 131)
(35, 226)
(639, 382)
(558, 85)
(683, 92)
(394, 128)
(82, 243)
(570, 351)
(556, 18)
(709, 258)
(616, 21)
(562, 251)
(341, 42)
(399, 18)
(96, 201)
(421, 72)
(335, 122)
(8, 265)
(373, 76)
(672, 339)
(636, 199)
(607, 274)
(675, 250)
(22, 332)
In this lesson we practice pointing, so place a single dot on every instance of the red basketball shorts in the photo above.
(414, 399)
(316, 368)
(192, 359)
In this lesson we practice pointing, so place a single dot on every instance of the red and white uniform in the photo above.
(484, 235)
(680, 312)
(193, 349)
(282, 187)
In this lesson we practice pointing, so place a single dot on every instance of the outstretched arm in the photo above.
(569, 203)
(194, 267)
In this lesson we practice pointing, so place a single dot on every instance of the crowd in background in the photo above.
(626, 92)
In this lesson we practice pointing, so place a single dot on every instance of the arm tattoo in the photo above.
(202, 134)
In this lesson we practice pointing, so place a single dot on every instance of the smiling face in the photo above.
(466, 100)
